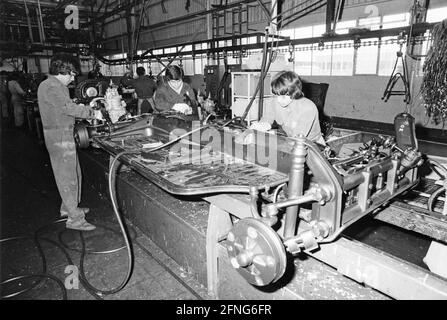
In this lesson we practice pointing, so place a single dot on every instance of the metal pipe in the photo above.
(263, 71)
(272, 208)
(254, 202)
(295, 187)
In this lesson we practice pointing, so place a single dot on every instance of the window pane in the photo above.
(287, 33)
(198, 67)
(303, 61)
(232, 60)
(252, 40)
(321, 62)
(367, 58)
(301, 33)
(188, 67)
(342, 59)
(395, 20)
(318, 30)
(388, 56)
(156, 68)
(438, 14)
(343, 26)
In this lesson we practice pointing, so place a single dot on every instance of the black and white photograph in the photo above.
(223, 158)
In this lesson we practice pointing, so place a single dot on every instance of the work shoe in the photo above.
(64, 213)
(79, 224)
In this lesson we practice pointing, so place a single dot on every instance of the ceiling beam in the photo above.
(184, 18)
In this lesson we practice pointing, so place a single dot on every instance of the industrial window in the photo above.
(388, 55)
(252, 40)
(231, 59)
(198, 65)
(303, 60)
(436, 15)
(366, 57)
(395, 20)
(342, 27)
(302, 33)
(342, 59)
(185, 48)
(156, 68)
(321, 61)
(188, 66)
(147, 66)
(287, 33)
(318, 30)
(170, 50)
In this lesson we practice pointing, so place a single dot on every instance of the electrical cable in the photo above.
(97, 293)
(93, 251)
(43, 274)
(113, 169)
(44, 266)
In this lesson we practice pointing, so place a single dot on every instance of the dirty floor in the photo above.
(30, 202)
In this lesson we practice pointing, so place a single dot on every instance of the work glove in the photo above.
(182, 108)
(261, 126)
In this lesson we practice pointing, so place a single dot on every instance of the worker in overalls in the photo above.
(58, 114)
(144, 89)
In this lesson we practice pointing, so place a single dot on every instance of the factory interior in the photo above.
(202, 150)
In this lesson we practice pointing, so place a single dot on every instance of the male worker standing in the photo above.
(144, 88)
(58, 114)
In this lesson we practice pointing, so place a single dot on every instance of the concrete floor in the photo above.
(30, 200)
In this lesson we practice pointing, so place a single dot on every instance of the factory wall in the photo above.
(359, 97)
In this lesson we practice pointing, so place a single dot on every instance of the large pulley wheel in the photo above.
(81, 136)
(256, 252)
